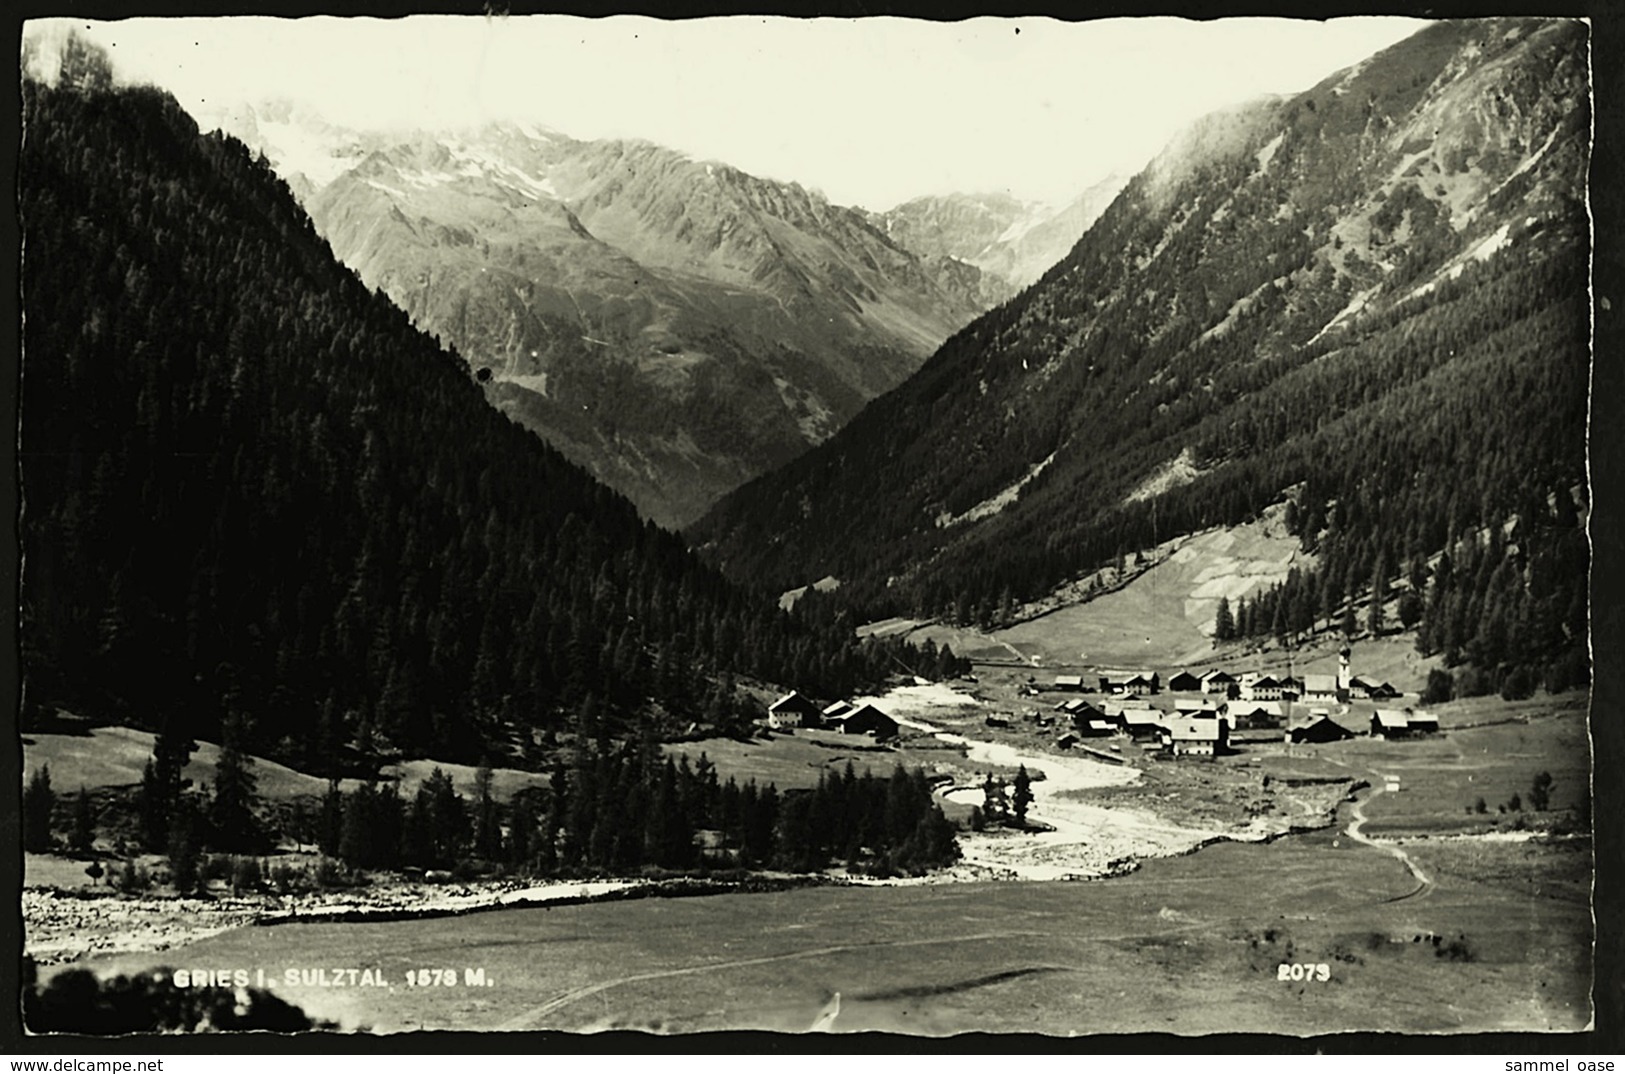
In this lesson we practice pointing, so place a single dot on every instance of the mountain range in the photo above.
(1367, 299)
(1011, 240)
(676, 326)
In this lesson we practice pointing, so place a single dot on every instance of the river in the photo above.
(1082, 839)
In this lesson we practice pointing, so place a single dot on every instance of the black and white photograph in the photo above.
(634, 527)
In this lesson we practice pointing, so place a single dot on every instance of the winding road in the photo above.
(1424, 885)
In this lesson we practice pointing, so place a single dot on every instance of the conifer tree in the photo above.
(38, 802)
(1224, 625)
(231, 811)
(83, 835)
(1022, 796)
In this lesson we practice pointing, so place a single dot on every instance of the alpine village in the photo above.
(484, 579)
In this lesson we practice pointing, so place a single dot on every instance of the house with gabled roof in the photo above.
(793, 710)
(1258, 687)
(1197, 707)
(1254, 714)
(1360, 689)
(1320, 688)
(1195, 738)
(1218, 681)
(1129, 683)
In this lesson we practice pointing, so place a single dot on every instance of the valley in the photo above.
(476, 578)
(1000, 942)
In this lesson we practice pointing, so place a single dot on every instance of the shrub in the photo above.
(1457, 950)
(286, 879)
(330, 874)
(1518, 684)
(133, 878)
(1540, 792)
(1440, 687)
(245, 874)
(214, 867)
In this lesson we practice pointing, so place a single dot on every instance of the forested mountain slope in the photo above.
(251, 488)
(1370, 298)
(676, 326)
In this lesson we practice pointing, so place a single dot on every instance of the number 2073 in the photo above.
(1303, 971)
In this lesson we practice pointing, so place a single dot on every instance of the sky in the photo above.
(867, 111)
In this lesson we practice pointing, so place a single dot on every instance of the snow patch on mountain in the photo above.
(386, 188)
(299, 149)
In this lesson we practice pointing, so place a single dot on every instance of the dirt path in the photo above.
(1424, 886)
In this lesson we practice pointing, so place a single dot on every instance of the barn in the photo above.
(1422, 723)
(868, 720)
(1184, 682)
(1087, 713)
(1197, 707)
(835, 711)
(1319, 728)
(1069, 682)
(1142, 723)
(1389, 723)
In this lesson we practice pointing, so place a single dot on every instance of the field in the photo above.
(101, 757)
(797, 759)
(1187, 945)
